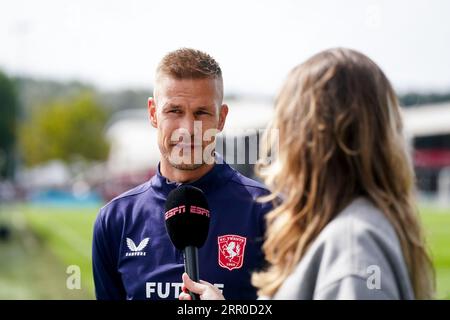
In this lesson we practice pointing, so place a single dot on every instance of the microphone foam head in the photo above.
(187, 217)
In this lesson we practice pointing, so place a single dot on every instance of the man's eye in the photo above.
(199, 113)
(174, 111)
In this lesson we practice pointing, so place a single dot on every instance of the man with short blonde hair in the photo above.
(133, 257)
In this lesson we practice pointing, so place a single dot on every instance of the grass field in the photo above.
(437, 228)
(45, 241)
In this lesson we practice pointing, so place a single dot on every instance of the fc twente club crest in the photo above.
(231, 251)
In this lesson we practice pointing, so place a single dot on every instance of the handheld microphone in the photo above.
(187, 223)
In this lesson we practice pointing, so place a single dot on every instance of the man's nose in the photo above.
(191, 125)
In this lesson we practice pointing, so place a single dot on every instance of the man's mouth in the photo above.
(186, 145)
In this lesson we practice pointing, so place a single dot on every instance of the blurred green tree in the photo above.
(8, 125)
(66, 130)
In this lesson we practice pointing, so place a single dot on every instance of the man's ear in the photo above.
(222, 116)
(152, 112)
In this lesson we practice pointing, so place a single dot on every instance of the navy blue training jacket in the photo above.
(133, 257)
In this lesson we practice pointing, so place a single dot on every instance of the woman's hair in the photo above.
(340, 137)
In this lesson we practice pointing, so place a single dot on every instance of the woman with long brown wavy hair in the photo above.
(347, 226)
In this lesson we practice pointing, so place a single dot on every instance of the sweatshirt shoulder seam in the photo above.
(128, 195)
(248, 184)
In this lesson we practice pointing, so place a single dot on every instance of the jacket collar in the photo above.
(217, 176)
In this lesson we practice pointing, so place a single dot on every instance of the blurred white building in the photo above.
(427, 129)
(133, 143)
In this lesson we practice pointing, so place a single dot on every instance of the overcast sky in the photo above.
(117, 44)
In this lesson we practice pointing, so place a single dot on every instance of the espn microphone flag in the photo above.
(187, 217)
(187, 223)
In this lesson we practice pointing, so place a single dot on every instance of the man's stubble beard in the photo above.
(181, 165)
(186, 167)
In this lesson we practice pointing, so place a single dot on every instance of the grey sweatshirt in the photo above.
(356, 256)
